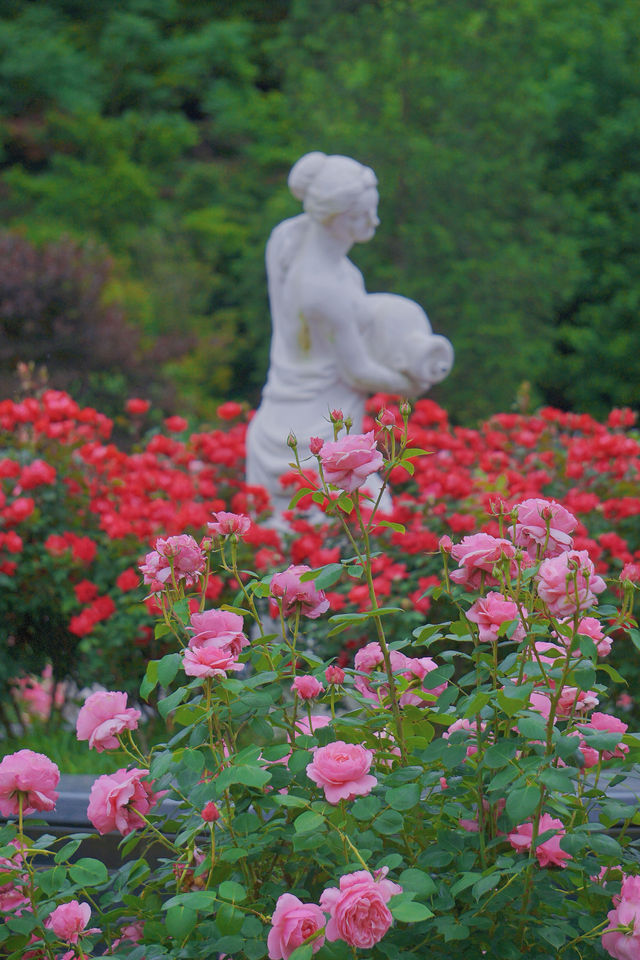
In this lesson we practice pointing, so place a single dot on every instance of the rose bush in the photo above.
(77, 512)
(459, 802)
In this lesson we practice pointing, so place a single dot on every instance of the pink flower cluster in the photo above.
(370, 658)
(215, 645)
(357, 911)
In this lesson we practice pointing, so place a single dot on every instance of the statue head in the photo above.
(334, 188)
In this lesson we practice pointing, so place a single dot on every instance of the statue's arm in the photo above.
(337, 317)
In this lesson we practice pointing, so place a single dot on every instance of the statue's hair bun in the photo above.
(304, 172)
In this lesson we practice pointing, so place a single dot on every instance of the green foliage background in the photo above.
(505, 136)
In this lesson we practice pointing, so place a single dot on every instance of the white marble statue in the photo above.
(333, 343)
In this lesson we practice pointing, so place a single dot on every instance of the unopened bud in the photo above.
(445, 543)
(210, 812)
(337, 416)
(334, 675)
(405, 409)
(315, 445)
(291, 441)
(386, 418)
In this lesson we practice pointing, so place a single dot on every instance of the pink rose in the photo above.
(220, 627)
(208, 661)
(574, 701)
(568, 583)
(548, 852)
(490, 613)
(342, 770)
(307, 687)
(348, 462)
(544, 523)
(292, 923)
(298, 594)
(117, 799)
(358, 910)
(370, 658)
(477, 555)
(227, 524)
(624, 944)
(420, 667)
(609, 724)
(591, 627)
(33, 777)
(103, 716)
(12, 899)
(315, 445)
(129, 931)
(182, 553)
(69, 920)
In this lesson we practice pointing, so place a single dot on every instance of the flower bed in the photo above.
(412, 803)
(77, 513)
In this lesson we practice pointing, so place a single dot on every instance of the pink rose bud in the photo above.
(386, 418)
(405, 409)
(291, 441)
(337, 416)
(315, 445)
(445, 543)
(334, 675)
(307, 687)
(210, 812)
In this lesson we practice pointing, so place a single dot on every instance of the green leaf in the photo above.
(499, 754)
(180, 921)
(397, 527)
(484, 884)
(249, 776)
(403, 798)
(298, 495)
(365, 808)
(584, 677)
(305, 952)
(522, 801)
(388, 822)
(150, 679)
(533, 728)
(229, 920)
(230, 890)
(167, 704)
(308, 821)
(407, 911)
(64, 853)
(168, 668)
(88, 872)
(417, 882)
(466, 880)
